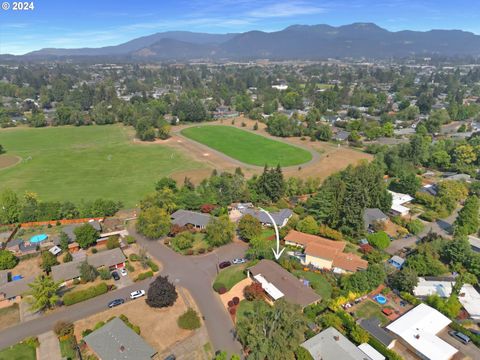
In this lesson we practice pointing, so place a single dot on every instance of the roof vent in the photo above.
(336, 338)
(417, 336)
(122, 348)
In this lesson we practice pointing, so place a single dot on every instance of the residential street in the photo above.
(12, 335)
(197, 274)
(442, 227)
(194, 273)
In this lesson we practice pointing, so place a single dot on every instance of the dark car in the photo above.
(170, 357)
(115, 276)
(460, 336)
(115, 302)
(224, 264)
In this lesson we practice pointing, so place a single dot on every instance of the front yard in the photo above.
(321, 286)
(20, 351)
(244, 308)
(9, 316)
(231, 276)
(198, 246)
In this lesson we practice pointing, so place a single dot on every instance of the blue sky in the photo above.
(95, 23)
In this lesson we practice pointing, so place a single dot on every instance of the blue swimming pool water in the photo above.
(38, 238)
(380, 299)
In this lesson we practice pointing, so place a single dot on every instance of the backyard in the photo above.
(85, 163)
(247, 147)
(368, 309)
(321, 286)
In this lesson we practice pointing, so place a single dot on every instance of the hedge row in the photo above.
(144, 275)
(153, 266)
(382, 349)
(82, 295)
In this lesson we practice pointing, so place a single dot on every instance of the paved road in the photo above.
(442, 227)
(12, 335)
(196, 274)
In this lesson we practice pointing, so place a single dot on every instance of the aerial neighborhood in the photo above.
(310, 193)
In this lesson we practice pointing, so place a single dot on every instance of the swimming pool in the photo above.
(38, 238)
(380, 299)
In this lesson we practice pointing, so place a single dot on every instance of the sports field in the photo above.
(75, 163)
(247, 147)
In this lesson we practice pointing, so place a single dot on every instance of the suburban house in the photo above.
(224, 112)
(280, 217)
(398, 202)
(115, 340)
(70, 229)
(20, 247)
(417, 330)
(396, 261)
(330, 344)
(324, 253)
(430, 189)
(373, 216)
(186, 217)
(278, 283)
(11, 292)
(67, 272)
(468, 296)
(375, 329)
(342, 135)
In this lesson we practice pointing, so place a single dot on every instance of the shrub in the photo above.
(153, 266)
(127, 322)
(98, 325)
(94, 251)
(113, 242)
(32, 341)
(130, 239)
(82, 295)
(86, 332)
(236, 300)
(144, 275)
(182, 241)
(67, 257)
(232, 310)
(7, 260)
(415, 226)
(217, 286)
(133, 257)
(325, 231)
(207, 208)
(230, 304)
(189, 320)
(189, 252)
(63, 328)
(104, 274)
(201, 251)
(222, 290)
(379, 239)
(129, 267)
(253, 292)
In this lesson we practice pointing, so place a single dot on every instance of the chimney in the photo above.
(336, 338)
(122, 348)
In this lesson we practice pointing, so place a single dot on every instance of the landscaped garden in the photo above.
(188, 243)
(89, 162)
(247, 147)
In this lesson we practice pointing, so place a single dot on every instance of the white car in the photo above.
(137, 294)
(239, 261)
(123, 271)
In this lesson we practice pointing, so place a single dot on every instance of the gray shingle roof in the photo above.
(279, 216)
(370, 215)
(330, 344)
(185, 217)
(115, 341)
(70, 270)
(293, 289)
(373, 327)
(70, 229)
(3, 277)
(15, 288)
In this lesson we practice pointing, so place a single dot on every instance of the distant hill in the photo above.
(357, 40)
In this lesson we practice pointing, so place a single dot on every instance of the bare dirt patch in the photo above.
(9, 316)
(7, 161)
(158, 326)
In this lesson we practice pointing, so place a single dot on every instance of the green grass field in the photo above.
(247, 147)
(75, 163)
(231, 276)
(21, 351)
(321, 286)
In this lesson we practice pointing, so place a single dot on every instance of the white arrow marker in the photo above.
(277, 252)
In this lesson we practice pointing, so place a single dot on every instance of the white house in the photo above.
(398, 202)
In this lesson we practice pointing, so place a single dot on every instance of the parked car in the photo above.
(115, 276)
(137, 294)
(170, 357)
(239, 261)
(460, 336)
(123, 271)
(115, 302)
(224, 264)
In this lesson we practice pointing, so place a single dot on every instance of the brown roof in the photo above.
(293, 289)
(349, 262)
(321, 251)
(306, 239)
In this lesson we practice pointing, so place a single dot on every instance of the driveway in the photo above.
(470, 351)
(442, 227)
(196, 274)
(49, 348)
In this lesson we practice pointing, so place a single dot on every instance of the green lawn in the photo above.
(75, 163)
(19, 351)
(321, 286)
(247, 147)
(231, 275)
(369, 309)
(67, 350)
(244, 307)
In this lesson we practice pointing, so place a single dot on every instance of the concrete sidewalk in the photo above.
(49, 348)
